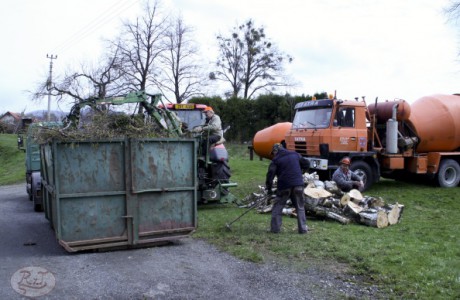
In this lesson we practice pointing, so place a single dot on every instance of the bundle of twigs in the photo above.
(102, 126)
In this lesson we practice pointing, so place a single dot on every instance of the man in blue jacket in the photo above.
(288, 166)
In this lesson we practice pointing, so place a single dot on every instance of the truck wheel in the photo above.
(363, 170)
(449, 173)
(37, 207)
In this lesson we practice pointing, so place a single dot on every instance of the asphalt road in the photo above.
(34, 265)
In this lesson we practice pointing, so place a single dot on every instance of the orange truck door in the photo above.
(344, 135)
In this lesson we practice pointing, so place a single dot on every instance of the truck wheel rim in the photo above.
(450, 175)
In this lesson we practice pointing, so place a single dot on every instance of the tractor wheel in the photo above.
(223, 171)
(448, 173)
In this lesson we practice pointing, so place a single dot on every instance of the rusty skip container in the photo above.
(120, 194)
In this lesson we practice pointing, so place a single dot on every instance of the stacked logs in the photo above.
(325, 200)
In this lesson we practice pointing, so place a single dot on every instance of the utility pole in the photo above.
(49, 83)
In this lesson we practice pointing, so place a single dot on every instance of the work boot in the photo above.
(304, 231)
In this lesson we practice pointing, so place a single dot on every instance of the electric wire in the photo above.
(90, 28)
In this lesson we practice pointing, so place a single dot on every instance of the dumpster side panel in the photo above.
(164, 180)
(47, 174)
(90, 167)
(92, 217)
(164, 164)
(110, 194)
(164, 212)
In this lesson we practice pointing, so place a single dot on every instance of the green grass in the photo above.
(12, 160)
(418, 258)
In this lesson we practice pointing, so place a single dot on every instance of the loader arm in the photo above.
(164, 117)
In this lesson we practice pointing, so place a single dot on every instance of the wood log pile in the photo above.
(325, 200)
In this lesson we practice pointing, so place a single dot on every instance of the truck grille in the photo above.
(301, 148)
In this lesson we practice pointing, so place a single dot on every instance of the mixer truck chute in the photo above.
(386, 139)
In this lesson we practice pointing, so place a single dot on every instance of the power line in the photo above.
(95, 24)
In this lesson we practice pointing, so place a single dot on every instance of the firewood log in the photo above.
(312, 201)
(352, 210)
(344, 200)
(374, 202)
(324, 212)
(394, 212)
(316, 192)
(373, 217)
(356, 195)
(337, 217)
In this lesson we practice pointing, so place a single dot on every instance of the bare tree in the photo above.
(90, 81)
(453, 10)
(141, 44)
(249, 61)
(182, 75)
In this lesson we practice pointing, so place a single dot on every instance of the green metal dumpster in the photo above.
(119, 193)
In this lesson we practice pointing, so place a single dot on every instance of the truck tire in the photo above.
(35, 187)
(37, 207)
(363, 170)
(448, 173)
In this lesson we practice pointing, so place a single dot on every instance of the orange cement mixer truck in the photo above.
(391, 139)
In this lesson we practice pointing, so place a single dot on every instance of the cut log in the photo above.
(374, 202)
(316, 192)
(331, 187)
(352, 210)
(288, 211)
(335, 202)
(394, 213)
(337, 217)
(344, 200)
(312, 201)
(331, 213)
(356, 195)
(265, 209)
(374, 218)
(328, 202)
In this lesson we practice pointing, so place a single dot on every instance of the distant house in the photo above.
(10, 118)
(11, 122)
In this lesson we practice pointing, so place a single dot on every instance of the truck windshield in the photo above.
(312, 118)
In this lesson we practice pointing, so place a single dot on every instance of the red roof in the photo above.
(16, 116)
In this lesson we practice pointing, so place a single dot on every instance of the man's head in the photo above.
(276, 148)
(345, 162)
(208, 111)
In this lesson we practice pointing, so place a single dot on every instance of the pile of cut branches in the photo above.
(102, 126)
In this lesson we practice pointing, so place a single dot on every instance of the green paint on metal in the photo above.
(104, 194)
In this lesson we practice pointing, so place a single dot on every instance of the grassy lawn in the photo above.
(418, 258)
(12, 160)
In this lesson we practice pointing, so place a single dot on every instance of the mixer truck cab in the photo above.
(326, 130)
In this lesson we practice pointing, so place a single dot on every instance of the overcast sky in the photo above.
(375, 48)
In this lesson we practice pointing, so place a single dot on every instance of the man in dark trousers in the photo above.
(288, 167)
